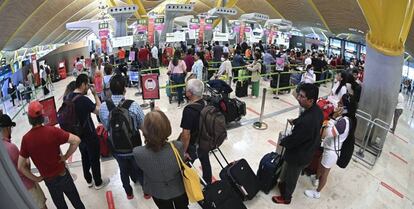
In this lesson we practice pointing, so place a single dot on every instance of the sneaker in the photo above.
(314, 180)
(90, 185)
(179, 106)
(312, 194)
(254, 97)
(280, 200)
(130, 197)
(103, 184)
(147, 196)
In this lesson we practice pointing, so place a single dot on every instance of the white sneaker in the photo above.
(90, 185)
(312, 194)
(314, 180)
(104, 183)
(254, 97)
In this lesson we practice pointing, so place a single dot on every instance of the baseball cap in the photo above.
(35, 109)
(5, 121)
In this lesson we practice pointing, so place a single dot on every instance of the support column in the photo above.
(389, 22)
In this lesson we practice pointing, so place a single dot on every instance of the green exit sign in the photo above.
(194, 20)
(159, 20)
(142, 21)
(209, 21)
(103, 25)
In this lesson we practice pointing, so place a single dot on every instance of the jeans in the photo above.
(289, 178)
(204, 158)
(178, 79)
(89, 148)
(129, 169)
(60, 185)
(180, 202)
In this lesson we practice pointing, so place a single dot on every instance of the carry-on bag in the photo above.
(241, 88)
(241, 176)
(219, 195)
(103, 140)
(269, 171)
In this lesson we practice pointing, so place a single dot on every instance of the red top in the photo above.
(143, 54)
(42, 145)
(189, 62)
(14, 156)
(121, 54)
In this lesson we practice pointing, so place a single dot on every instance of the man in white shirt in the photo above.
(226, 49)
(154, 56)
(308, 61)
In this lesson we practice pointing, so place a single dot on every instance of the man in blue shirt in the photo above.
(127, 165)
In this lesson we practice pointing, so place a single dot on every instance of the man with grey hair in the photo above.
(190, 126)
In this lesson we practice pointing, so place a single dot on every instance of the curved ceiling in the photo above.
(42, 22)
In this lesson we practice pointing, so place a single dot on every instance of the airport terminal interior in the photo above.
(342, 68)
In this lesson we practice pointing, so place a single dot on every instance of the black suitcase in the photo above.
(220, 195)
(269, 171)
(241, 88)
(241, 176)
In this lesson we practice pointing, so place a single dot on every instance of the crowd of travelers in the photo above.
(151, 161)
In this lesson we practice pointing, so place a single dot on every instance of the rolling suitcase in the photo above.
(241, 88)
(219, 195)
(270, 166)
(269, 171)
(233, 109)
(241, 107)
(240, 176)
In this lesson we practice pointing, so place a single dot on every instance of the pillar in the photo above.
(389, 22)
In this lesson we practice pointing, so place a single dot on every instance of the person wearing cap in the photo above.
(89, 146)
(32, 187)
(42, 145)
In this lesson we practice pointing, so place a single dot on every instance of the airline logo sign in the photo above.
(122, 41)
(175, 37)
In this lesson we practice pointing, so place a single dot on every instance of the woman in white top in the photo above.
(334, 134)
(398, 111)
(106, 94)
(339, 89)
(225, 67)
(198, 66)
(309, 76)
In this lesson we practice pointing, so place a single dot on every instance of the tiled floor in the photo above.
(388, 185)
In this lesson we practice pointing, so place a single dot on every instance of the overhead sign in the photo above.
(220, 36)
(159, 20)
(175, 37)
(122, 41)
(103, 25)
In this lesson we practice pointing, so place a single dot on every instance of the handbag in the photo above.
(191, 179)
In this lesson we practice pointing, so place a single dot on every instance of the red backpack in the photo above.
(327, 108)
(67, 117)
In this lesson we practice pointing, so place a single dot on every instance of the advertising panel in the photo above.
(49, 111)
(150, 86)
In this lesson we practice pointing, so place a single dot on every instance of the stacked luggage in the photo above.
(232, 108)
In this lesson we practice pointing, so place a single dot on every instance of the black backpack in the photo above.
(67, 118)
(122, 133)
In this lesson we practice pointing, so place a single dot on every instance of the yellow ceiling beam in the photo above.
(141, 8)
(229, 4)
(274, 9)
(136, 13)
(219, 3)
(3, 5)
(111, 3)
(24, 23)
(313, 5)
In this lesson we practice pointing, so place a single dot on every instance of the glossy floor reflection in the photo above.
(388, 185)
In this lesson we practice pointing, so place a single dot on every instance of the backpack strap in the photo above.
(126, 104)
(110, 104)
(196, 106)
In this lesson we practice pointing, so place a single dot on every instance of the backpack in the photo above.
(212, 127)
(122, 133)
(67, 117)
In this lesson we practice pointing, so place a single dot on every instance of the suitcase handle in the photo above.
(222, 155)
(198, 173)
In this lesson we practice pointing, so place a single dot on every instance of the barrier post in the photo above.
(278, 83)
(260, 125)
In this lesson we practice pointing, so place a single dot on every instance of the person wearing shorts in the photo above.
(335, 132)
(33, 188)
